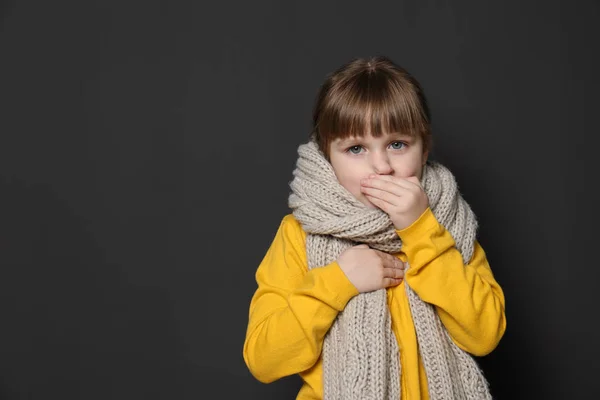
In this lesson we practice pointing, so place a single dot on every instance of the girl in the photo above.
(375, 286)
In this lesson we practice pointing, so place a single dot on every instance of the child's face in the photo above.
(390, 154)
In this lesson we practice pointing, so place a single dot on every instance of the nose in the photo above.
(381, 164)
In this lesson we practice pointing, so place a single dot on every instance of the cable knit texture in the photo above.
(360, 353)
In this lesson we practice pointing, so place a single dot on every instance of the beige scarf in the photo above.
(360, 353)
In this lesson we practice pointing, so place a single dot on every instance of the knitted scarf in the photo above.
(360, 352)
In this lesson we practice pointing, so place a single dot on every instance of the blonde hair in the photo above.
(372, 96)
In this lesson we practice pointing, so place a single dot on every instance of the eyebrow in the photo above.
(348, 140)
(342, 142)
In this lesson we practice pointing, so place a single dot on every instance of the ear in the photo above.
(425, 156)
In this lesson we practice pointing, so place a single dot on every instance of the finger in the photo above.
(407, 183)
(387, 282)
(382, 205)
(393, 273)
(386, 184)
(414, 180)
(388, 197)
(361, 246)
(391, 261)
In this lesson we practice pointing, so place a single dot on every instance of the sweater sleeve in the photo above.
(468, 299)
(292, 308)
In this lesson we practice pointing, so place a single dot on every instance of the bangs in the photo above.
(372, 102)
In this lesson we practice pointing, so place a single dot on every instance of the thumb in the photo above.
(361, 246)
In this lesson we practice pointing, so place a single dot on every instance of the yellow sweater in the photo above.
(293, 308)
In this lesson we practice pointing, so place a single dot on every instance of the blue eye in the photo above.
(397, 145)
(355, 149)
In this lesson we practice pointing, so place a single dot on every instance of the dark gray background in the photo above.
(146, 149)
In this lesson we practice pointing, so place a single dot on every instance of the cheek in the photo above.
(407, 168)
(405, 172)
(350, 179)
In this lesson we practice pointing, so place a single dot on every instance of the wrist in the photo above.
(406, 222)
(421, 226)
